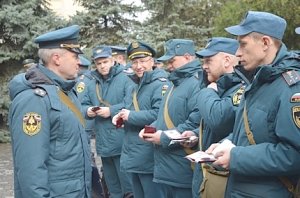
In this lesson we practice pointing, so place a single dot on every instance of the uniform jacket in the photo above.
(273, 114)
(137, 155)
(170, 165)
(218, 112)
(114, 90)
(50, 150)
(82, 81)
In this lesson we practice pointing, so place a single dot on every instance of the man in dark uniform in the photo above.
(150, 86)
(50, 148)
(119, 54)
(106, 94)
(178, 111)
(264, 156)
(219, 100)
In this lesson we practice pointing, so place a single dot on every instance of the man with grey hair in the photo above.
(50, 148)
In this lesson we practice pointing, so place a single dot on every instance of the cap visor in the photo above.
(297, 30)
(237, 30)
(76, 50)
(205, 53)
(138, 56)
(165, 58)
(100, 56)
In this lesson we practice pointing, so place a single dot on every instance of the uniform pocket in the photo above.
(69, 188)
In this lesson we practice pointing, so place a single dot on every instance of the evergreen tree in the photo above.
(105, 22)
(20, 22)
(189, 19)
(233, 12)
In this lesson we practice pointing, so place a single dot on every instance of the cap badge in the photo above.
(135, 44)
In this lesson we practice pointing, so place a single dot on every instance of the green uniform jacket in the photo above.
(170, 165)
(115, 90)
(273, 109)
(50, 149)
(137, 155)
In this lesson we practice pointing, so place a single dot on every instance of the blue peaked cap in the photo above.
(66, 38)
(117, 49)
(102, 52)
(177, 47)
(218, 44)
(84, 61)
(261, 22)
(297, 30)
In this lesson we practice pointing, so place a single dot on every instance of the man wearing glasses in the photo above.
(137, 155)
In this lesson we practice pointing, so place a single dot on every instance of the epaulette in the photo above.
(82, 76)
(291, 77)
(162, 79)
(40, 92)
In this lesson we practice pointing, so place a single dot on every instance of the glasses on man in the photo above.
(140, 61)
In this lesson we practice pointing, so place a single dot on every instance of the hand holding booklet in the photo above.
(201, 157)
(176, 137)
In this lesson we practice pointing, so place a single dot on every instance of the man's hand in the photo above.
(124, 114)
(104, 112)
(193, 140)
(151, 137)
(91, 113)
(221, 152)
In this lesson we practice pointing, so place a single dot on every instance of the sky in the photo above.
(67, 8)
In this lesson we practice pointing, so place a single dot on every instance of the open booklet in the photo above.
(200, 157)
(176, 137)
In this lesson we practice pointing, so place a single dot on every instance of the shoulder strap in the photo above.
(169, 123)
(135, 101)
(99, 96)
(201, 146)
(288, 184)
(68, 102)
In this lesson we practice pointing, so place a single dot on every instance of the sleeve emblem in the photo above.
(32, 123)
(80, 87)
(236, 98)
(296, 115)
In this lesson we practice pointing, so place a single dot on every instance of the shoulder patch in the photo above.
(296, 115)
(32, 123)
(80, 87)
(291, 77)
(236, 98)
(164, 89)
(162, 79)
(81, 77)
(295, 98)
(40, 92)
